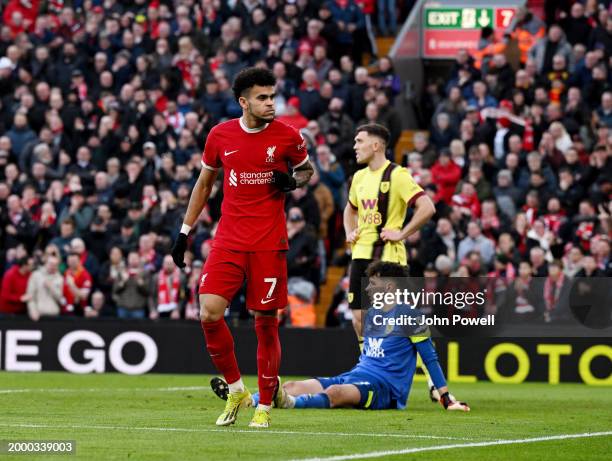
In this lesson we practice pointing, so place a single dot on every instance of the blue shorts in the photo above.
(375, 394)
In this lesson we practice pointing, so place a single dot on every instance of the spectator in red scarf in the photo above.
(467, 200)
(13, 297)
(77, 285)
(167, 294)
(556, 293)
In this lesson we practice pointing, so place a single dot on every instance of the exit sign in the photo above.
(458, 18)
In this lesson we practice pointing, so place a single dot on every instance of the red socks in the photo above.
(268, 356)
(220, 345)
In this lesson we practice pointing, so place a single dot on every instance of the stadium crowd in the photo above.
(105, 108)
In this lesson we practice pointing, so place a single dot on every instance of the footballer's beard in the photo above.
(261, 119)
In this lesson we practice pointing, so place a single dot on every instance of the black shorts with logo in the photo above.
(357, 296)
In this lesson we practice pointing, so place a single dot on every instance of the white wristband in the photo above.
(185, 229)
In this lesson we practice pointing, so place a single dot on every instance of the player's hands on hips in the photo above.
(390, 235)
(283, 181)
(353, 236)
(178, 250)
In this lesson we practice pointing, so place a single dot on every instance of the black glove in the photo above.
(178, 250)
(284, 181)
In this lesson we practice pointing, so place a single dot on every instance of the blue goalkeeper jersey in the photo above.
(388, 353)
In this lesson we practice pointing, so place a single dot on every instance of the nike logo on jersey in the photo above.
(266, 301)
(226, 153)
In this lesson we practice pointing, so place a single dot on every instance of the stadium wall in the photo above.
(83, 346)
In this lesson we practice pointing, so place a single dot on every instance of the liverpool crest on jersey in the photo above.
(270, 154)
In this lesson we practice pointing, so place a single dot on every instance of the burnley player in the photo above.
(383, 376)
(255, 152)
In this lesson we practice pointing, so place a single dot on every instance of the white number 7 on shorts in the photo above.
(271, 280)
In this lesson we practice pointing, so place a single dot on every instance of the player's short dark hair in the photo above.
(251, 76)
(387, 270)
(375, 129)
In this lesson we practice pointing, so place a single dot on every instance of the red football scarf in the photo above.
(164, 295)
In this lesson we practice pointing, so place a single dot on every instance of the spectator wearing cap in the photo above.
(167, 291)
(13, 297)
(131, 289)
(292, 115)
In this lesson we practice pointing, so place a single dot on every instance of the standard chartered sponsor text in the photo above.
(261, 177)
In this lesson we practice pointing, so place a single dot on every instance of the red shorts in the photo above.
(265, 273)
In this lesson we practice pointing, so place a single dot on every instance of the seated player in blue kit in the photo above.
(383, 376)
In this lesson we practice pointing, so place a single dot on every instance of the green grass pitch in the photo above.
(171, 417)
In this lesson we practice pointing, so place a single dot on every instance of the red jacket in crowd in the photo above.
(28, 10)
(14, 286)
(446, 177)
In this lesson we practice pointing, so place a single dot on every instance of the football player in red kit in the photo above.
(251, 241)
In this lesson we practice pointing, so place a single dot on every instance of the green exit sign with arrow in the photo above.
(458, 18)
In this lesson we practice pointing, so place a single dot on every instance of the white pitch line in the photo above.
(227, 431)
(108, 389)
(406, 451)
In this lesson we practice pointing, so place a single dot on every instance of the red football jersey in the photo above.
(82, 279)
(253, 210)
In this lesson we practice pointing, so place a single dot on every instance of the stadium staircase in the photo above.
(334, 275)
